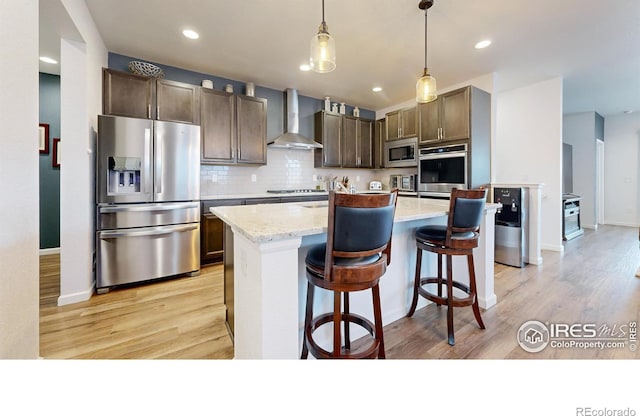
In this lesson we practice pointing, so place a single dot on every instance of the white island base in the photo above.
(270, 245)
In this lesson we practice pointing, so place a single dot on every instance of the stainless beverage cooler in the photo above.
(512, 226)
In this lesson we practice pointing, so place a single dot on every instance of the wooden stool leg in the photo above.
(472, 286)
(347, 337)
(440, 277)
(416, 283)
(450, 301)
(307, 320)
(337, 318)
(377, 316)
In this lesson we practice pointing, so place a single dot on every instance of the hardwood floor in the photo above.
(592, 282)
(177, 318)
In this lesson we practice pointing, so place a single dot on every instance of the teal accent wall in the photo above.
(49, 176)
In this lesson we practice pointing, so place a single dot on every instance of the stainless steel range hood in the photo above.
(292, 139)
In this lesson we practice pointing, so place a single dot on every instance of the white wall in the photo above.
(622, 173)
(578, 130)
(528, 148)
(81, 102)
(19, 229)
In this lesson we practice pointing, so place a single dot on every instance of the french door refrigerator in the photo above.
(147, 200)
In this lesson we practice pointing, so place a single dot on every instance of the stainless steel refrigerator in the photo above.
(147, 200)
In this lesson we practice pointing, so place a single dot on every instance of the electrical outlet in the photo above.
(254, 177)
(214, 178)
(357, 178)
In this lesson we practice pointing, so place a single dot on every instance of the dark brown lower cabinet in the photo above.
(211, 247)
(212, 231)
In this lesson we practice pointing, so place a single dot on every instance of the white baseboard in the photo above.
(552, 247)
(76, 297)
(590, 226)
(47, 251)
(623, 224)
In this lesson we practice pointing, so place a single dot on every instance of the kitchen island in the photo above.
(270, 242)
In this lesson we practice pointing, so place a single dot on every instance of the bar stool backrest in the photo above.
(359, 226)
(466, 210)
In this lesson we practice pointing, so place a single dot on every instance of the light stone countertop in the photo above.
(273, 222)
(260, 195)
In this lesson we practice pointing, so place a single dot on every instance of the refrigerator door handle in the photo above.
(147, 159)
(149, 207)
(104, 235)
(158, 181)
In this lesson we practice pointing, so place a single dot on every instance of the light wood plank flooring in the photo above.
(176, 318)
(592, 282)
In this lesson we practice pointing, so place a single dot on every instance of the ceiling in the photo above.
(593, 45)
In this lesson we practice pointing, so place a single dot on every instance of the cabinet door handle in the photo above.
(158, 112)
(149, 111)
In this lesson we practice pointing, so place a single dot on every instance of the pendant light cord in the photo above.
(322, 11)
(425, 37)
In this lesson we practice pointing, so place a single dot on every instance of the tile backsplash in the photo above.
(285, 169)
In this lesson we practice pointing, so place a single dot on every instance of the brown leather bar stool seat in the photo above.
(354, 258)
(458, 238)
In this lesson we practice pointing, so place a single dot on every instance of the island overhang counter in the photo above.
(270, 242)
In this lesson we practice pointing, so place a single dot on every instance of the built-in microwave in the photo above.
(401, 153)
(404, 183)
(442, 168)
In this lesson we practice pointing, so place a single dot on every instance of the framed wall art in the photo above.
(44, 138)
(55, 160)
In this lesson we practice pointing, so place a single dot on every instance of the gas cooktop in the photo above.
(293, 191)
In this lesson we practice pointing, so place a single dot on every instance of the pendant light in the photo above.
(323, 49)
(426, 85)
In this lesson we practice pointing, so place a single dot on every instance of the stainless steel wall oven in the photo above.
(441, 169)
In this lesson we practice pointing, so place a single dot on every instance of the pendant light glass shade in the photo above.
(426, 88)
(323, 53)
(323, 49)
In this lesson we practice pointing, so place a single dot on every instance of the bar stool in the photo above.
(458, 238)
(354, 258)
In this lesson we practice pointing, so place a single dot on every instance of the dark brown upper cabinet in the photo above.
(447, 118)
(132, 95)
(128, 95)
(401, 124)
(251, 129)
(177, 101)
(380, 130)
(328, 132)
(233, 128)
(357, 143)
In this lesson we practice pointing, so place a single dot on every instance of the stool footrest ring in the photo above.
(370, 352)
(442, 300)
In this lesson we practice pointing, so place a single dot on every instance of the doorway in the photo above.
(599, 182)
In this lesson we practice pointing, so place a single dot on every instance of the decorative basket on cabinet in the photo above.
(145, 68)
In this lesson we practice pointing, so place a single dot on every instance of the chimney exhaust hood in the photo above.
(291, 138)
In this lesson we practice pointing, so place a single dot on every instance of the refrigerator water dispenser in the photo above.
(123, 175)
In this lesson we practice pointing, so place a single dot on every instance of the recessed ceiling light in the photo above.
(628, 111)
(376, 89)
(305, 67)
(191, 34)
(48, 60)
(483, 44)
